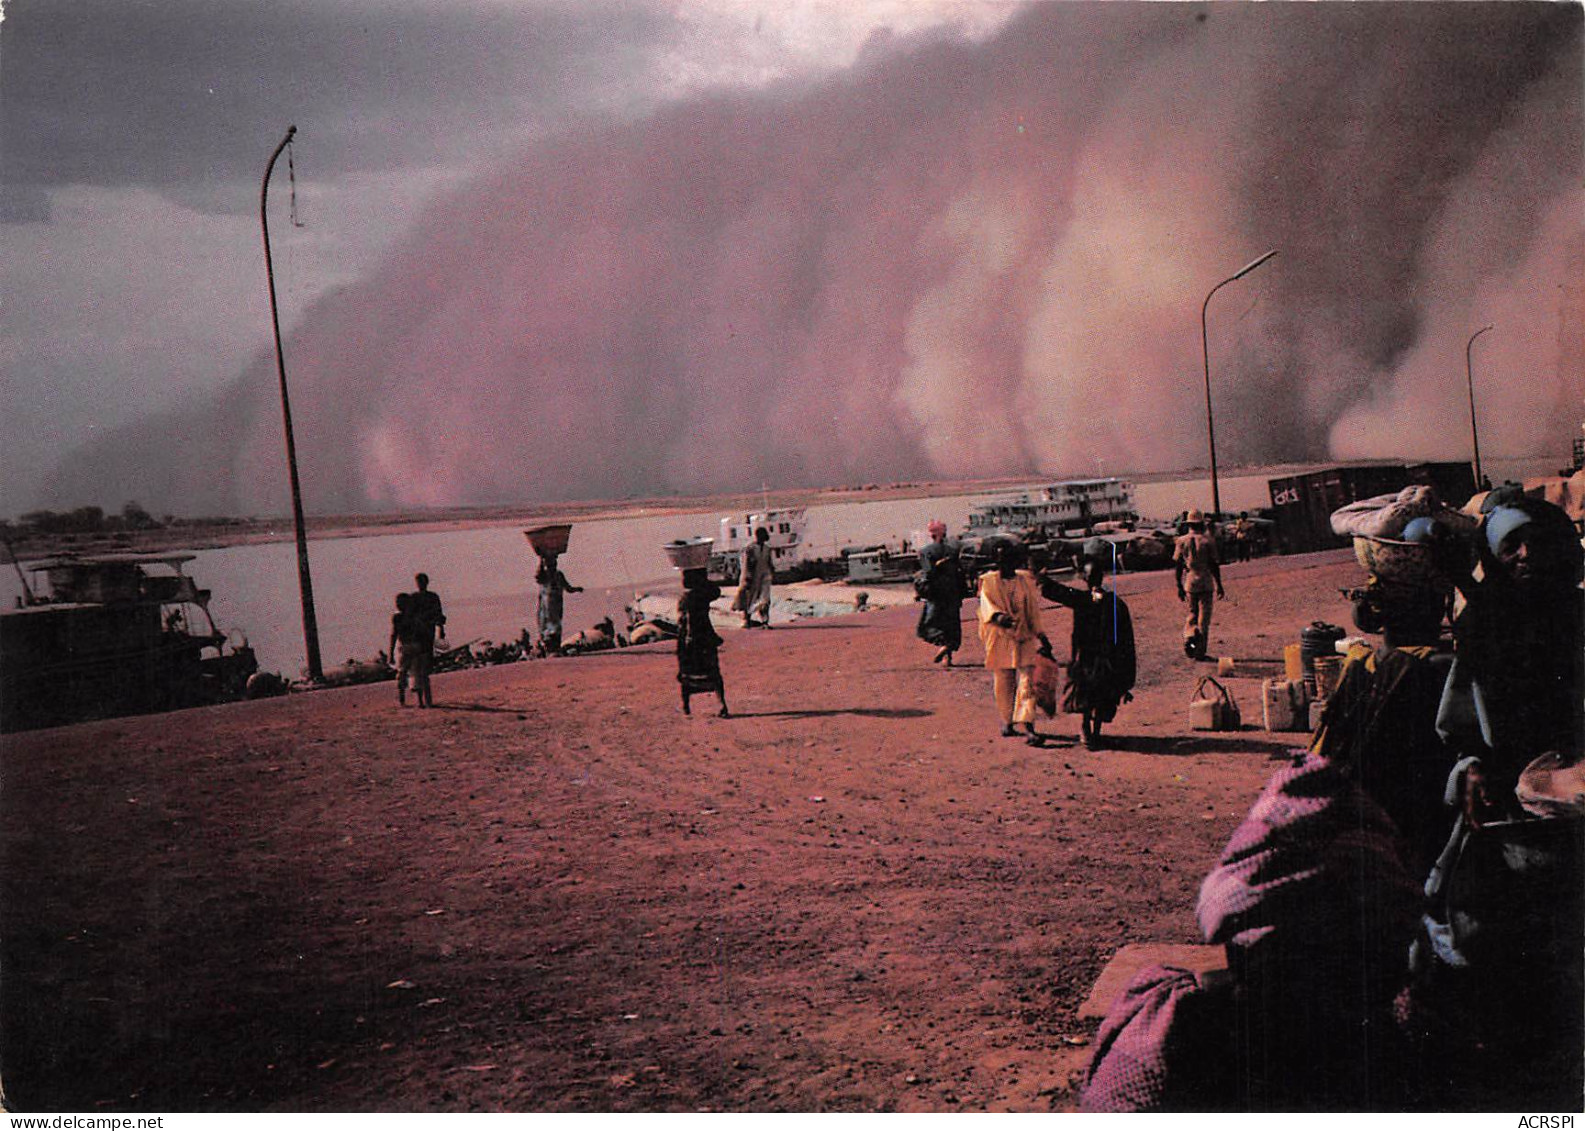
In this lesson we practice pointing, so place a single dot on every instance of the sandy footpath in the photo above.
(554, 892)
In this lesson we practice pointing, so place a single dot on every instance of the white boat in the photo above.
(1073, 504)
(786, 527)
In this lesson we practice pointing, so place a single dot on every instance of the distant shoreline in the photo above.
(249, 531)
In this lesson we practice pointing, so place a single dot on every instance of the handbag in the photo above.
(1216, 710)
(1047, 679)
(1507, 888)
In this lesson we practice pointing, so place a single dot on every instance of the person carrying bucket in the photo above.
(553, 584)
(698, 643)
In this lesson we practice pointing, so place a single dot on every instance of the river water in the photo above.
(485, 574)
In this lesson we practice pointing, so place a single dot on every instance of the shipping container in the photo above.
(1302, 505)
(1454, 480)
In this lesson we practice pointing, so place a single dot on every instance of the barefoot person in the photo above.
(754, 581)
(941, 586)
(1010, 630)
(698, 643)
(1101, 674)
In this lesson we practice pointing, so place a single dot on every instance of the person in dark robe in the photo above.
(1102, 671)
(698, 643)
(940, 583)
(1505, 934)
(1515, 691)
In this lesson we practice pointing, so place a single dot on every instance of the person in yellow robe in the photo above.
(1010, 630)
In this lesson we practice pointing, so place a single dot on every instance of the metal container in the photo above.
(549, 541)
(1318, 639)
(1328, 672)
(689, 553)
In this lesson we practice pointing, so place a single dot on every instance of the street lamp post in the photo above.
(1469, 376)
(1205, 346)
(316, 671)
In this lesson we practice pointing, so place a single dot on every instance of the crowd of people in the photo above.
(1101, 670)
(1401, 909)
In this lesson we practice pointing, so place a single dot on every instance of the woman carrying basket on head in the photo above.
(698, 643)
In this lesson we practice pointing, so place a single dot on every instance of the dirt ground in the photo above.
(554, 892)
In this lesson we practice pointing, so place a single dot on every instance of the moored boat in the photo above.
(113, 634)
(786, 527)
(1066, 508)
(880, 565)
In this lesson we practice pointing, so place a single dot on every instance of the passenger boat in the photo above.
(881, 565)
(113, 634)
(787, 528)
(1068, 507)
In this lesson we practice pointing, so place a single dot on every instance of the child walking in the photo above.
(411, 645)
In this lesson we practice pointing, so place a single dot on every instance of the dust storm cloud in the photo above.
(959, 259)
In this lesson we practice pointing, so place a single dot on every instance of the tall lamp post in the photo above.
(316, 671)
(1469, 376)
(1205, 346)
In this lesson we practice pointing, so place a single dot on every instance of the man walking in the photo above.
(1198, 575)
(412, 649)
(427, 608)
(754, 581)
(1009, 619)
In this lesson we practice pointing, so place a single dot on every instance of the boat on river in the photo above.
(1067, 508)
(113, 634)
(881, 565)
(787, 527)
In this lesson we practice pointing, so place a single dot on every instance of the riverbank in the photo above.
(255, 531)
(553, 892)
